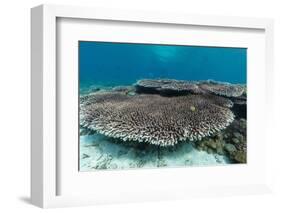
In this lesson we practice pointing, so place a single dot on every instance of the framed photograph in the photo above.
(129, 106)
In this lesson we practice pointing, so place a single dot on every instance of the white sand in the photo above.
(98, 152)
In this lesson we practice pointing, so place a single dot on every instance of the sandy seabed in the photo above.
(100, 152)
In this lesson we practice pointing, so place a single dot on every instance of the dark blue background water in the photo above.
(106, 63)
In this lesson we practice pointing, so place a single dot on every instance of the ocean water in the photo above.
(105, 65)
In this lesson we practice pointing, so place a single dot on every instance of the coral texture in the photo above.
(168, 87)
(180, 87)
(155, 119)
(221, 88)
(231, 142)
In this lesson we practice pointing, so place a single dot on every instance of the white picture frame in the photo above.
(45, 171)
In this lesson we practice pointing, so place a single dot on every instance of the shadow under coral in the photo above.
(100, 152)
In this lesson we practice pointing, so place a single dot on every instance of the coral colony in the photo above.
(163, 112)
(152, 105)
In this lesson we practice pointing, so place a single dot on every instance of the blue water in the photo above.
(110, 64)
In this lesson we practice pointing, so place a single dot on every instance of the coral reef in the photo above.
(167, 87)
(129, 90)
(230, 142)
(125, 123)
(155, 119)
(180, 87)
(222, 88)
(236, 93)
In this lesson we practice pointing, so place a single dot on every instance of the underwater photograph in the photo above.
(157, 106)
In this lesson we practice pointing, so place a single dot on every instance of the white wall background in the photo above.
(15, 98)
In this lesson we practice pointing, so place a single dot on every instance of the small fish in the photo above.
(192, 108)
